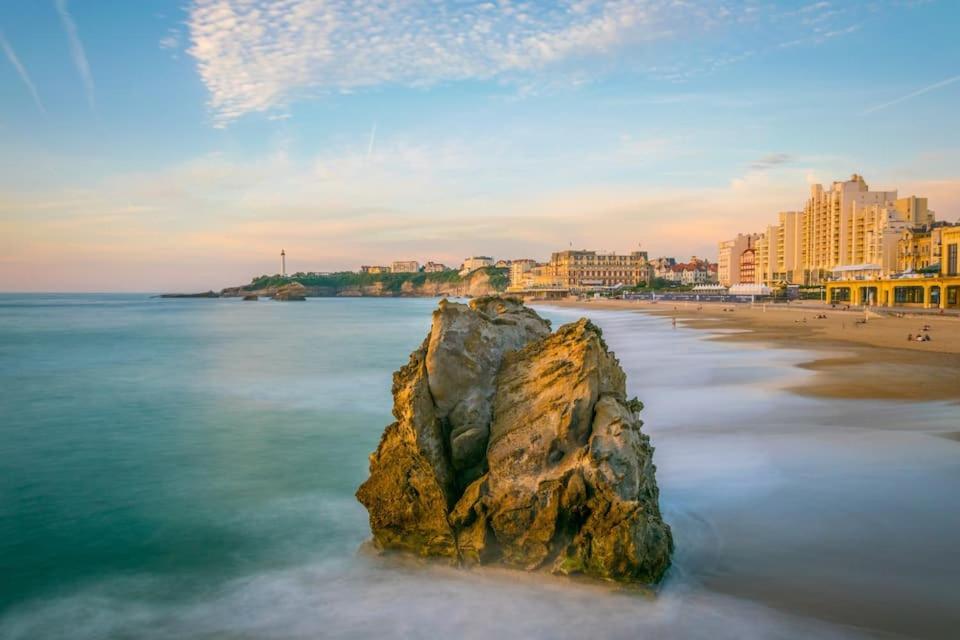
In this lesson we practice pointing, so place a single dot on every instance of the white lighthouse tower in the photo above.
(283, 263)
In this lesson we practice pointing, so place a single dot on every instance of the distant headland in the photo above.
(448, 282)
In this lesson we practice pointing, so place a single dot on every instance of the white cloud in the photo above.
(254, 55)
(21, 71)
(76, 50)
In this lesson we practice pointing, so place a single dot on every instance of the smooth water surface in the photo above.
(186, 468)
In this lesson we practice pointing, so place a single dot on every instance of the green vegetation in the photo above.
(393, 282)
(660, 284)
(499, 278)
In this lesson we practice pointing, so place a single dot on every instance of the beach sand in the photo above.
(853, 359)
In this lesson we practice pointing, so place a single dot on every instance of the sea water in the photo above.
(186, 469)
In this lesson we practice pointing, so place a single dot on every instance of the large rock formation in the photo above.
(516, 445)
(291, 292)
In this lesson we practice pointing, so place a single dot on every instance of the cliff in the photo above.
(481, 282)
(517, 446)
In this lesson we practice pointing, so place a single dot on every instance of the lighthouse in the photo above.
(283, 263)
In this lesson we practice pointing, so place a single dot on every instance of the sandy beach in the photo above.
(855, 359)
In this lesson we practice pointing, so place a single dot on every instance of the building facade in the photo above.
(930, 291)
(520, 270)
(405, 266)
(843, 228)
(474, 263)
(848, 225)
(374, 269)
(779, 251)
(434, 267)
(729, 258)
(748, 265)
(921, 248)
(583, 270)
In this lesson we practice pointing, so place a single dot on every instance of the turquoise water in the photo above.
(186, 468)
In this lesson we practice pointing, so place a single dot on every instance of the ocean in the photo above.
(186, 469)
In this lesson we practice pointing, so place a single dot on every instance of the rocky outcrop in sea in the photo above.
(291, 292)
(516, 445)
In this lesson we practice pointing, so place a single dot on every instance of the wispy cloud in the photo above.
(255, 55)
(770, 161)
(21, 71)
(76, 50)
(913, 94)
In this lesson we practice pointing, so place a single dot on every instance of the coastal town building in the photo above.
(583, 270)
(729, 258)
(662, 267)
(848, 225)
(748, 264)
(921, 248)
(503, 264)
(530, 278)
(434, 267)
(779, 251)
(936, 290)
(405, 266)
(842, 229)
(519, 270)
(374, 269)
(476, 262)
(695, 271)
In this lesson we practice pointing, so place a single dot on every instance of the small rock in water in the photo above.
(518, 446)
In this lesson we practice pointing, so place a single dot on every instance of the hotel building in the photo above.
(779, 251)
(842, 230)
(848, 225)
(580, 270)
(940, 290)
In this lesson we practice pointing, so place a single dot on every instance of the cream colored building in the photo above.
(474, 263)
(779, 251)
(849, 225)
(921, 248)
(846, 226)
(520, 270)
(374, 269)
(583, 269)
(941, 290)
(405, 266)
(729, 258)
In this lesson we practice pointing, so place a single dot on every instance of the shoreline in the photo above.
(852, 359)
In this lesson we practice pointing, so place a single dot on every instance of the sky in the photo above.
(179, 145)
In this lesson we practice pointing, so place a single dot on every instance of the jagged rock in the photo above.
(291, 292)
(251, 297)
(519, 446)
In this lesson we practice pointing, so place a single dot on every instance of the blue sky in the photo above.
(168, 145)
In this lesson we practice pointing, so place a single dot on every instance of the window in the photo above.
(952, 260)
